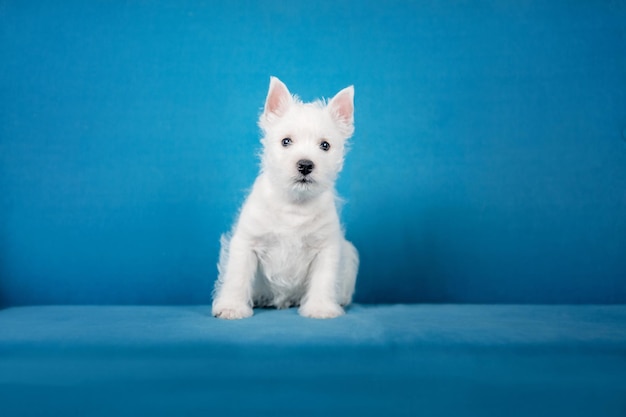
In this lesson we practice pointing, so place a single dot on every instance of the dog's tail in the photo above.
(348, 273)
(222, 262)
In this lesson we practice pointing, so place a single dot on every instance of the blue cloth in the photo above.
(487, 166)
(401, 360)
(487, 163)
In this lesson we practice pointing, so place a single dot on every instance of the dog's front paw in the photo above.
(317, 310)
(232, 312)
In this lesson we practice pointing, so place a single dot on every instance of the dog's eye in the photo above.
(286, 142)
(324, 146)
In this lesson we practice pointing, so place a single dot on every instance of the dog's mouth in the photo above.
(303, 181)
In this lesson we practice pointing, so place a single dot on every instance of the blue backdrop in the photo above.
(488, 163)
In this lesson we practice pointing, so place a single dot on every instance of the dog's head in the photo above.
(304, 143)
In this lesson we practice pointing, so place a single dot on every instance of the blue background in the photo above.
(488, 162)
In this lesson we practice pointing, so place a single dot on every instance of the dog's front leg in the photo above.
(233, 299)
(320, 301)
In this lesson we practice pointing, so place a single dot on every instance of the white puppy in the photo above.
(288, 247)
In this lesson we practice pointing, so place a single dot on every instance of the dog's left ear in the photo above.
(278, 97)
(277, 102)
(342, 108)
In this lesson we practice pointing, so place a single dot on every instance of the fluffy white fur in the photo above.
(287, 247)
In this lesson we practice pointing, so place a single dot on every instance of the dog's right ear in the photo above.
(278, 98)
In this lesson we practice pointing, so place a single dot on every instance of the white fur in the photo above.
(287, 247)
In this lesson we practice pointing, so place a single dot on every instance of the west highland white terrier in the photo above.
(288, 247)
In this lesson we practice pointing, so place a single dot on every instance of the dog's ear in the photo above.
(278, 98)
(342, 108)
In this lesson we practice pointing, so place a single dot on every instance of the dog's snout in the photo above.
(305, 166)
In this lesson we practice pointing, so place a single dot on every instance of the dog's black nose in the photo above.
(305, 166)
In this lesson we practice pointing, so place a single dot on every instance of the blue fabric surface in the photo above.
(488, 166)
(377, 360)
(488, 163)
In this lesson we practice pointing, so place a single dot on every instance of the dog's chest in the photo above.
(285, 259)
